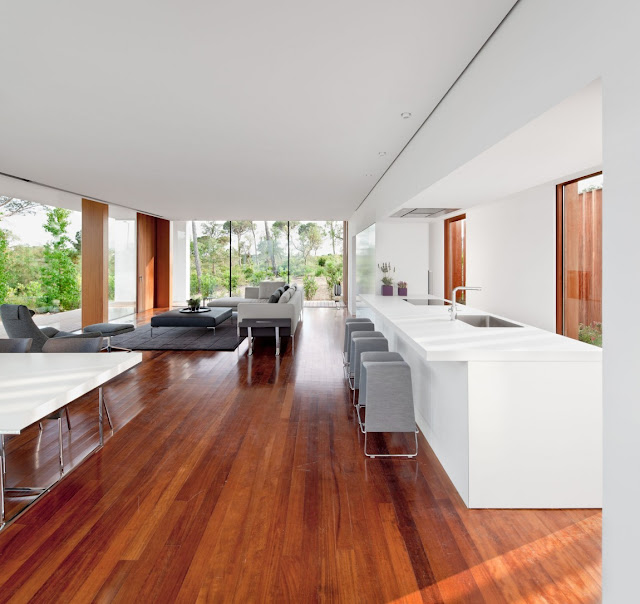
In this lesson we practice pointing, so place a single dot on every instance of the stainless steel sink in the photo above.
(485, 321)
(425, 302)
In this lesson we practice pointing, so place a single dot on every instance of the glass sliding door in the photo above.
(580, 259)
(122, 263)
(315, 257)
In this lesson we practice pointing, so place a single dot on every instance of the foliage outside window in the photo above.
(230, 255)
(39, 256)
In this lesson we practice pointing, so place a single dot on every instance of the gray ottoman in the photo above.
(175, 318)
(108, 330)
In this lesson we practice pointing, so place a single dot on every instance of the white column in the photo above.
(181, 262)
(621, 291)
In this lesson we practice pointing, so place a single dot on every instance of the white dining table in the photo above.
(35, 385)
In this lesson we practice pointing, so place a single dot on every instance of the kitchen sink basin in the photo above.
(425, 302)
(485, 321)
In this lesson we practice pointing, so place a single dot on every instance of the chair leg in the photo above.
(60, 446)
(66, 412)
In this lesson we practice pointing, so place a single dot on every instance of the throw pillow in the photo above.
(275, 296)
(286, 286)
(284, 298)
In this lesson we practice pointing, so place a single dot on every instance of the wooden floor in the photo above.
(231, 478)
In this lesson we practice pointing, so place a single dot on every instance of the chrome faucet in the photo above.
(453, 310)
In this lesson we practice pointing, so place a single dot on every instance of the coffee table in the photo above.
(176, 318)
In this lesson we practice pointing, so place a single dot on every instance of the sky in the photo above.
(28, 230)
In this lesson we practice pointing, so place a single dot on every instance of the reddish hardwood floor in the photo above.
(231, 478)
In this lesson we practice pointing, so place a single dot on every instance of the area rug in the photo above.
(180, 338)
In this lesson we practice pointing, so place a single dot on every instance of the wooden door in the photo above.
(146, 261)
(455, 256)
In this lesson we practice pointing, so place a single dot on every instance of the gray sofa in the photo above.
(289, 306)
(253, 295)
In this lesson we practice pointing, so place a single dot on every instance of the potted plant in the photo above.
(402, 288)
(387, 280)
(194, 304)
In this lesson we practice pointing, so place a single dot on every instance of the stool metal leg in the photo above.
(390, 454)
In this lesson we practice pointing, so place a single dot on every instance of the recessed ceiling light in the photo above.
(382, 153)
(405, 115)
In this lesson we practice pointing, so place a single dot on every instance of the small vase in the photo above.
(387, 290)
(402, 291)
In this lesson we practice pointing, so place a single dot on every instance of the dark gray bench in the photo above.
(175, 318)
(265, 327)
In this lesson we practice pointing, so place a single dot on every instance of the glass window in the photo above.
(40, 260)
(122, 262)
(209, 259)
(231, 255)
(581, 253)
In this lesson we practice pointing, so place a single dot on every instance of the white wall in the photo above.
(621, 290)
(511, 254)
(406, 246)
(436, 257)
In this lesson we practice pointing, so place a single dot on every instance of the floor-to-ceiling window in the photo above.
(231, 255)
(579, 258)
(122, 262)
(40, 260)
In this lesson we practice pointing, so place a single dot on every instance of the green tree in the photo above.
(334, 230)
(309, 239)
(60, 273)
(4, 273)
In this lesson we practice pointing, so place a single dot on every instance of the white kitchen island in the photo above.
(514, 414)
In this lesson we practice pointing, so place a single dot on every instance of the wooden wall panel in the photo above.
(454, 256)
(95, 267)
(163, 264)
(582, 257)
(146, 261)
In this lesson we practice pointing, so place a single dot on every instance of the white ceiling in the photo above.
(216, 110)
(563, 142)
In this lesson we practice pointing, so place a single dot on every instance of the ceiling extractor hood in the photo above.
(423, 212)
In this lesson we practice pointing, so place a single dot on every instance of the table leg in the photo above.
(100, 405)
(277, 341)
(250, 341)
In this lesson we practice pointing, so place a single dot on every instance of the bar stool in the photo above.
(346, 334)
(389, 402)
(366, 341)
(358, 334)
(349, 329)
(378, 357)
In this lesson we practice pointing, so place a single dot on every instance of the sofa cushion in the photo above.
(275, 296)
(268, 287)
(284, 298)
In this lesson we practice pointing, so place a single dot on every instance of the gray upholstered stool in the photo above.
(108, 330)
(350, 328)
(389, 402)
(380, 357)
(364, 342)
(358, 334)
